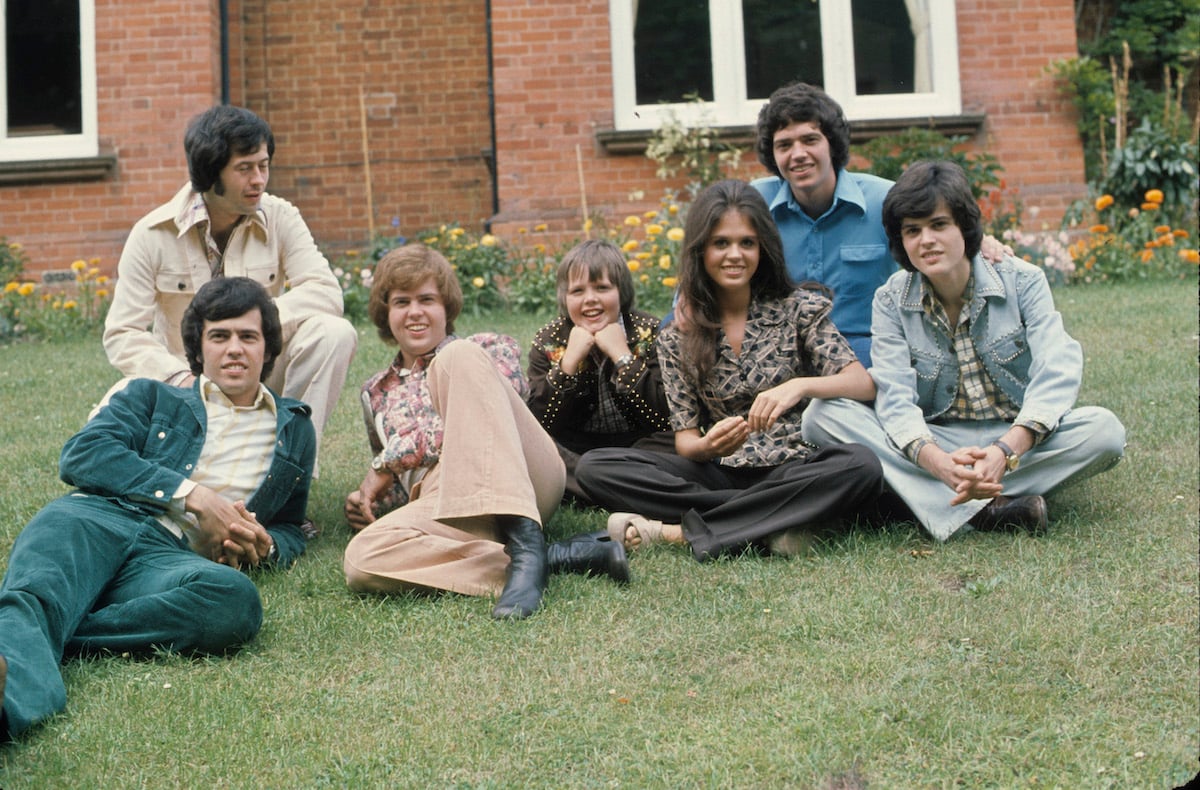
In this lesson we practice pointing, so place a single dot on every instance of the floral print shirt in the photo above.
(404, 430)
(784, 339)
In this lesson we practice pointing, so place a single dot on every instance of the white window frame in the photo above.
(730, 105)
(56, 146)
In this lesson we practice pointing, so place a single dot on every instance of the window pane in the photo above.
(671, 50)
(43, 67)
(783, 44)
(883, 47)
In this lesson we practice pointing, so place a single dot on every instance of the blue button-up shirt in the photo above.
(844, 249)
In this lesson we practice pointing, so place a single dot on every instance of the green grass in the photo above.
(886, 660)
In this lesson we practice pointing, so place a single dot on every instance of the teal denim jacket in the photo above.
(146, 441)
(1017, 332)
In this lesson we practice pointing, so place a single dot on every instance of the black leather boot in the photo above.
(526, 574)
(589, 552)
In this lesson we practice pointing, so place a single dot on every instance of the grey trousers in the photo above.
(1089, 440)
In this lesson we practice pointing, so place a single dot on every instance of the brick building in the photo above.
(508, 112)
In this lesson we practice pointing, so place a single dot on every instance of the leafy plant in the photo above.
(890, 155)
(697, 151)
(1154, 158)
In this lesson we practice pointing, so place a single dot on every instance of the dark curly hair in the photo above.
(800, 102)
(217, 135)
(230, 297)
(916, 194)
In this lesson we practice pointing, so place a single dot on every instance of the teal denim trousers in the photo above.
(90, 575)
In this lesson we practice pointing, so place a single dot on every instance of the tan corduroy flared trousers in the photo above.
(496, 459)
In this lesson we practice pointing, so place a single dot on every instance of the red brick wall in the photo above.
(422, 68)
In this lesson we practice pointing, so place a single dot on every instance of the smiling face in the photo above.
(233, 350)
(592, 304)
(731, 253)
(935, 246)
(803, 158)
(241, 183)
(417, 318)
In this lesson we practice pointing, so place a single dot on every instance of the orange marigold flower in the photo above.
(1189, 256)
(1161, 229)
(1148, 206)
(1100, 228)
(1147, 256)
(1103, 202)
(1154, 196)
(1180, 233)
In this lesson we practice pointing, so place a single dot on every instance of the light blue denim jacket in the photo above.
(1017, 333)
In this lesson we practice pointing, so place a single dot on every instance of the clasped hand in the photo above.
(228, 532)
(610, 340)
(972, 472)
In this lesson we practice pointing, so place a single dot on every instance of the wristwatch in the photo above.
(377, 464)
(1011, 459)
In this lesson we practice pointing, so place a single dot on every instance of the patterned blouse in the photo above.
(784, 339)
(404, 430)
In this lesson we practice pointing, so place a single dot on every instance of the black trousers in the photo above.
(723, 508)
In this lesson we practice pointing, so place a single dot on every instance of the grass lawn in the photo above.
(885, 660)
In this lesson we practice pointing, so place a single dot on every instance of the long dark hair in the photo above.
(698, 334)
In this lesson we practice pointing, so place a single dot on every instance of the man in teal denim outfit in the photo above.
(177, 492)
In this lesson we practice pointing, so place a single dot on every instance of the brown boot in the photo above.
(1004, 513)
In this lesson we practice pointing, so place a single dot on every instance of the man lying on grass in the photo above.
(177, 491)
(974, 419)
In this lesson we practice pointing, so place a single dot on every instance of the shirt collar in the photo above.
(195, 212)
(211, 393)
(846, 190)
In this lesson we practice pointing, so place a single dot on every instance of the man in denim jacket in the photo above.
(177, 490)
(976, 376)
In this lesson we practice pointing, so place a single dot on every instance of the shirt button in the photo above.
(182, 286)
(159, 494)
(162, 435)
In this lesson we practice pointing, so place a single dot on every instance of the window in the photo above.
(48, 107)
(880, 59)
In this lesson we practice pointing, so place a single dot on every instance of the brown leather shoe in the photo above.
(1004, 513)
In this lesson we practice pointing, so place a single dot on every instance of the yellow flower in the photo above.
(12, 286)
(587, 225)
(643, 256)
(633, 221)
(675, 234)
(430, 240)
(478, 282)
(92, 272)
(26, 289)
(94, 261)
(633, 265)
(1098, 229)
(654, 229)
(69, 304)
(488, 240)
(664, 262)
(645, 278)
(669, 282)
(1103, 202)
(456, 232)
(630, 245)
(521, 231)
(78, 265)
(539, 228)
(1154, 196)
(650, 214)
(672, 209)
(101, 293)
(540, 249)
(351, 253)
(15, 246)
(102, 279)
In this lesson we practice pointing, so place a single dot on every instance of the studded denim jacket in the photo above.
(1017, 332)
